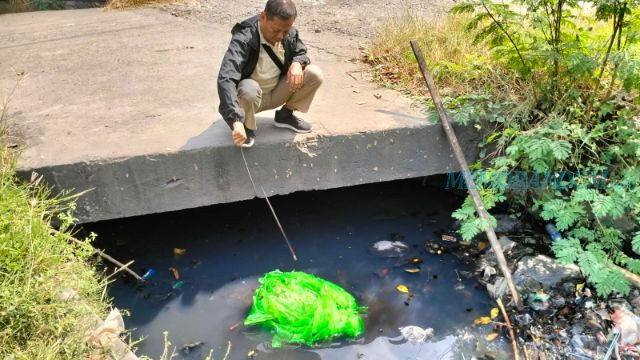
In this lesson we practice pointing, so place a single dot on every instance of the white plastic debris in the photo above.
(386, 248)
(488, 272)
(628, 325)
(499, 288)
(107, 333)
(416, 334)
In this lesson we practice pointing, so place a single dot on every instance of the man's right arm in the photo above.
(229, 77)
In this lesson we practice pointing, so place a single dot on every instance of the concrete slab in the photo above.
(125, 103)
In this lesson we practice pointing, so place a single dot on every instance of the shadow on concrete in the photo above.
(219, 135)
(402, 116)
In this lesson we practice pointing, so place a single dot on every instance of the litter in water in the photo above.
(414, 260)
(386, 248)
(149, 274)
(175, 272)
(300, 308)
(416, 334)
(187, 348)
(448, 238)
(178, 285)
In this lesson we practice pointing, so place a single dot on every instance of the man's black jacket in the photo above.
(241, 59)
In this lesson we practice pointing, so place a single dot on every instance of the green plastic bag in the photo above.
(301, 308)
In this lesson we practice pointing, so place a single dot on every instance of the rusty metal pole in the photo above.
(464, 167)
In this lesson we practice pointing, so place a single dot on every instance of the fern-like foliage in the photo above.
(581, 135)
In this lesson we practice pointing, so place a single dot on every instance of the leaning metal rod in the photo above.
(293, 253)
(464, 167)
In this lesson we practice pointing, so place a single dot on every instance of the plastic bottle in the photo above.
(553, 232)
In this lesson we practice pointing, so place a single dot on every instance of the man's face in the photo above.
(274, 29)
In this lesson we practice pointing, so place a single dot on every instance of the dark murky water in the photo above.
(229, 247)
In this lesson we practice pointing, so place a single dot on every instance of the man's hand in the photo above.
(239, 135)
(295, 76)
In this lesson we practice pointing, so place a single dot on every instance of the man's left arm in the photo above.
(300, 60)
(300, 51)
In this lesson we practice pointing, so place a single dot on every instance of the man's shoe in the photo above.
(285, 119)
(251, 137)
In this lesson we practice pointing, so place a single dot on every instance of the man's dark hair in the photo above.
(282, 9)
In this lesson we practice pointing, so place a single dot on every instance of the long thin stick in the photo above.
(117, 263)
(293, 253)
(526, 352)
(516, 351)
(464, 167)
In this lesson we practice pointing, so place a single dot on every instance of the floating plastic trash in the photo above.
(300, 308)
(175, 272)
(386, 248)
(416, 334)
(149, 274)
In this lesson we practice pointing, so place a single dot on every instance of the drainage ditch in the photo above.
(207, 262)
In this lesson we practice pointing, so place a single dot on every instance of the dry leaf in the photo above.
(482, 246)
(482, 321)
(494, 313)
(178, 251)
(403, 289)
(492, 336)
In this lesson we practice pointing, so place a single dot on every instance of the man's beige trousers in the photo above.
(254, 101)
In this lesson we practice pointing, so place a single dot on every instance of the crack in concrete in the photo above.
(319, 48)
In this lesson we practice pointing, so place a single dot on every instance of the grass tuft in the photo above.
(459, 66)
(125, 4)
(36, 267)
(20, 5)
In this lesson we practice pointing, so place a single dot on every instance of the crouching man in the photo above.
(266, 66)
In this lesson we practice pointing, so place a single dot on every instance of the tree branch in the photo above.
(495, 21)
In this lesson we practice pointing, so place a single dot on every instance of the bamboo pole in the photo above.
(464, 167)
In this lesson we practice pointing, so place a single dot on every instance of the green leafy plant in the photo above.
(553, 86)
(584, 121)
(49, 4)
